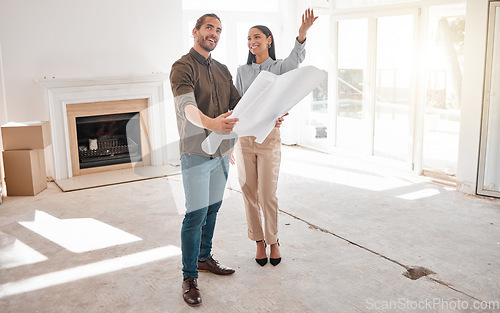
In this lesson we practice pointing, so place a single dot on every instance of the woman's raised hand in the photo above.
(308, 19)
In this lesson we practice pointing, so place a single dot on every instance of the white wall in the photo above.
(472, 94)
(91, 38)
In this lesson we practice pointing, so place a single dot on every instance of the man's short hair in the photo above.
(202, 18)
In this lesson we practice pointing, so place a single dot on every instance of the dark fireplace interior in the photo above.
(108, 139)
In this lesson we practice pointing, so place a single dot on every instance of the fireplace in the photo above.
(108, 135)
(71, 98)
(108, 139)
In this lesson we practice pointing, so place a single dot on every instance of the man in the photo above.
(204, 95)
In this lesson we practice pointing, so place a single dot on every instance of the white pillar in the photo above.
(472, 94)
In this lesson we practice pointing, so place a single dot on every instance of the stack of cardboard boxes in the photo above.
(24, 158)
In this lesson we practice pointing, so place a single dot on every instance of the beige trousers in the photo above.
(258, 170)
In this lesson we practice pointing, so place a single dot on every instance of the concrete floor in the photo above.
(349, 229)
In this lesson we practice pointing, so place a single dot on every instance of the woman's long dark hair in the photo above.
(267, 33)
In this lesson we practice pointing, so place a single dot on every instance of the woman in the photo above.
(258, 164)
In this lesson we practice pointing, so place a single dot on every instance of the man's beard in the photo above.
(205, 44)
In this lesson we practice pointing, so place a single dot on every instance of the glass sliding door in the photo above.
(393, 94)
(353, 120)
(443, 68)
(398, 86)
(489, 167)
(375, 85)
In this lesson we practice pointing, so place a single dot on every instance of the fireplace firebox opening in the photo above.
(108, 139)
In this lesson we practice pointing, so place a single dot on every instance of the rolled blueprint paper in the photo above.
(269, 97)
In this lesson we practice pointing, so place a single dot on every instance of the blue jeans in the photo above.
(204, 181)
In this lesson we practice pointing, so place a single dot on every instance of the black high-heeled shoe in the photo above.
(275, 261)
(263, 261)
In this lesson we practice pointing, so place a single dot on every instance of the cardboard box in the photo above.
(24, 172)
(2, 182)
(25, 136)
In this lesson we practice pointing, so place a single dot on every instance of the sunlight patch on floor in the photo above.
(18, 253)
(78, 234)
(424, 193)
(304, 172)
(88, 270)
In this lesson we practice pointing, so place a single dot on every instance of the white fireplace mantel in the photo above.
(63, 91)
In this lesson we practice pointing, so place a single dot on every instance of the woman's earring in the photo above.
(269, 46)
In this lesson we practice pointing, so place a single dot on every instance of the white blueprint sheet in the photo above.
(269, 97)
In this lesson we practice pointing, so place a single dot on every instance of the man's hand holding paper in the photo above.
(269, 97)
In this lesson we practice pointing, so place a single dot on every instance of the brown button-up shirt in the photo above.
(214, 93)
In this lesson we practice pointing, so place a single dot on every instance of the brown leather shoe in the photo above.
(190, 291)
(213, 266)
